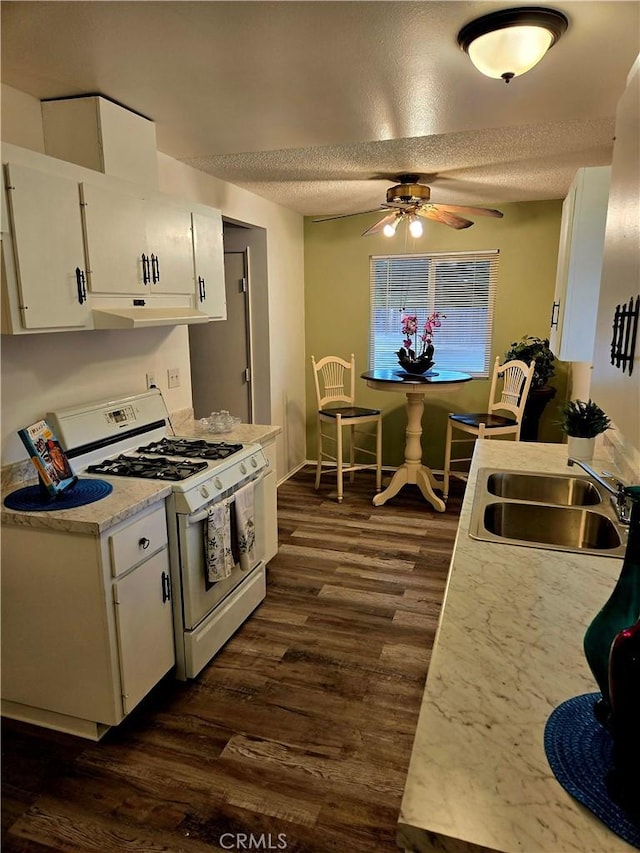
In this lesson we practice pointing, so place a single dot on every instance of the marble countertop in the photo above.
(243, 433)
(129, 495)
(508, 650)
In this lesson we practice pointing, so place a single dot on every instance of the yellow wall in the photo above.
(337, 308)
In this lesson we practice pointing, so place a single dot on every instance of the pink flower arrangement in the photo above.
(410, 329)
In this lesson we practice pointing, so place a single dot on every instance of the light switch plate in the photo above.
(173, 377)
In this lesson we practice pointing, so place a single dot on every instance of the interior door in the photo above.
(220, 352)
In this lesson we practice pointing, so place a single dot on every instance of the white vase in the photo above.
(581, 448)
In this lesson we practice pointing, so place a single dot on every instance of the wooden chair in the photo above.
(335, 383)
(516, 379)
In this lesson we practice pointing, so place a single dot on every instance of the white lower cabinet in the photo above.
(145, 628)
(269, 509)
(85, 635)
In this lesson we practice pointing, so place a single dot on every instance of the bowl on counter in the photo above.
(220, 422)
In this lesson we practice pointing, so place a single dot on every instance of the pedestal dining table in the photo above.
(415, 387)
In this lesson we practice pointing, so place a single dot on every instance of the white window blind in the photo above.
(461, 285)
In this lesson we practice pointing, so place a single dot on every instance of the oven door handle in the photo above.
(197, 517)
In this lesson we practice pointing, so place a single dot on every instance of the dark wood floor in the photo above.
(297, 736)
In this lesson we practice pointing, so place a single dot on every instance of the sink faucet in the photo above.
(616, 489)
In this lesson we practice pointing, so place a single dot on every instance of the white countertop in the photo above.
(129, 495)
(243, 433)
(508, 650)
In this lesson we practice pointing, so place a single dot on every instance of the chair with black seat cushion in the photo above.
(335, 384)
(515, 377)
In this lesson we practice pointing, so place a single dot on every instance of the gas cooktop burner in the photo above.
(191, 448)
(151, 469)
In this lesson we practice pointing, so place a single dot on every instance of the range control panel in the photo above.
(120, 417)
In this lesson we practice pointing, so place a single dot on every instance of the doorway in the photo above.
(221, 351)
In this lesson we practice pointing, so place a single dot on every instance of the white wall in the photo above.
(285, 263)
(45, 371)
(617, 392)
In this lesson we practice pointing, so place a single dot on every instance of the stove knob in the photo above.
(243, 468)
(218, 483)
(204, 491)
(254, 462)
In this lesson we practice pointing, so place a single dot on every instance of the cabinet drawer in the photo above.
(138, 541)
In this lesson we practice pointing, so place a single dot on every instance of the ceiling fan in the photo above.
(410, 199)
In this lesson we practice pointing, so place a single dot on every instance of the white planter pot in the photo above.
(581, 448)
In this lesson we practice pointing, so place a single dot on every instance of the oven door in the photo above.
(199, 598)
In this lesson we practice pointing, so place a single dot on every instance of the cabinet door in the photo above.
(145, 628)
(169, 244)
(575, 308)
(48, 248)
(116, 241)
(209, 264)
(562, 274)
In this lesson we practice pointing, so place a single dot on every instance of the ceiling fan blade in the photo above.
(430, 212)
(471, 211)
(379, 225)
(345, 215)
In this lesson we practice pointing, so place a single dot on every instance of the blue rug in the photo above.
(31, 499)
(579, 751)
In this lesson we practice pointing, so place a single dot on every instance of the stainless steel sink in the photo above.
(544, 488)
(577, 529)
(561, 513)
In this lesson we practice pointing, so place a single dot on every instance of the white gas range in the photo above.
(132, 437)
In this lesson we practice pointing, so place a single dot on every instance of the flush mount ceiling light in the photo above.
(507, 43)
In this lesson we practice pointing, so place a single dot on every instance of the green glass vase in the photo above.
(621, 611)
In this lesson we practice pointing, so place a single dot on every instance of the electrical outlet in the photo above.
(173, 377)
(151, 380)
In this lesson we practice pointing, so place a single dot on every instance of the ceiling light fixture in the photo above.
(507, 43)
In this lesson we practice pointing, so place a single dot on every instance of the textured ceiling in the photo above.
(318, 105)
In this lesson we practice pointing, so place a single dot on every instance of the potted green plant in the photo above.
(530, 348)
(582, 422)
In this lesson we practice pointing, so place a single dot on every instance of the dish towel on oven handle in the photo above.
(246, 526)
(217, 543)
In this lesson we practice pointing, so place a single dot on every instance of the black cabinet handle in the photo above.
(146, 278)
(80, 284)
(144, 543)
(155, 269)
(554, 316)
(166, 587)
(201, 289)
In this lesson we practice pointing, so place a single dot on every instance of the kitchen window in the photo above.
(461, 285)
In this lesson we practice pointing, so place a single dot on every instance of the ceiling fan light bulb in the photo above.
(415, 227)
(390, 228)
(509, 52)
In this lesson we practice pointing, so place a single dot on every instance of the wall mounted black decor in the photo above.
(625, 333)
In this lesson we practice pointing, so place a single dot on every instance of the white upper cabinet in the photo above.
(136, 245)
(582, 229)
(82, 250)
(170, 247)
(208, 258)
(47, 264)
